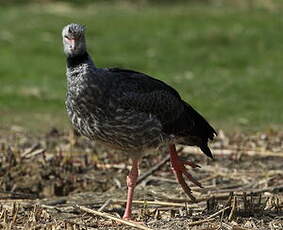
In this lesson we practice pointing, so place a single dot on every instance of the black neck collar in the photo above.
(77, 60)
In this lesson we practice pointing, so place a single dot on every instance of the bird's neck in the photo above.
(80, 59)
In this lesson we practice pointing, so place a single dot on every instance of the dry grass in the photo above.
(59, 181)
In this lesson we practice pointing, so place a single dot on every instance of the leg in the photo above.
(178, 166)
(131, 183)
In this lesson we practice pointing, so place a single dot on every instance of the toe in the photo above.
(185, 186)
(193, 165)
(190, 177)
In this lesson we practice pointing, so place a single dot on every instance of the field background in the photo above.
(224, 57)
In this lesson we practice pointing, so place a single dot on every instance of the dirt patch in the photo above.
(46, 180)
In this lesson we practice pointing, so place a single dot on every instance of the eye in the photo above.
(66, 37)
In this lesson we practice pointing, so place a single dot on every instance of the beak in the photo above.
(73, 44)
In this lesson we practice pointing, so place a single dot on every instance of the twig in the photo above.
(51, 207)
(106, 215)
(88, 227)
(198, 200)
(262, 153)
(218, 212)
(209, 178)
(227, 226)
(208, 219)
(104, 205)
(162, 203)
(234, 208)
(156, 167)
(56, 202)
(31, 149)
(16, 195)
(268, 189)
(174, 181)
(199, 222)
(254, 191)
(115, 166)
(162, 179)
(153, 169)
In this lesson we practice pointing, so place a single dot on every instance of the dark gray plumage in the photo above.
(124, 109)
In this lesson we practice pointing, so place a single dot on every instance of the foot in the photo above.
(178, 166)
(126, 216)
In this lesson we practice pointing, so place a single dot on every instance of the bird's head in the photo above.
(74, 40)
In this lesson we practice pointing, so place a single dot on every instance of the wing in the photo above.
(129, 80)
(142, 93)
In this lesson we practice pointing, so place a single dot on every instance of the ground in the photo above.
(57, 179)
(224, 57)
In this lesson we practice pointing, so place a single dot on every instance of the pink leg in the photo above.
(131, 183)
(178, 166)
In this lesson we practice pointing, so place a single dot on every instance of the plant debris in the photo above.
(62, 181)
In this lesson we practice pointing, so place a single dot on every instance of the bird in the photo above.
(130, 112)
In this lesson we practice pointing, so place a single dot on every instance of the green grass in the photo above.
(225, 61)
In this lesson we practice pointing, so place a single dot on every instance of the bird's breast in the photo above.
(120, 129)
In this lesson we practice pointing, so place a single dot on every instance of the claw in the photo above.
(179, 169)
(191, 164)
(190, 177)
(184, 185)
